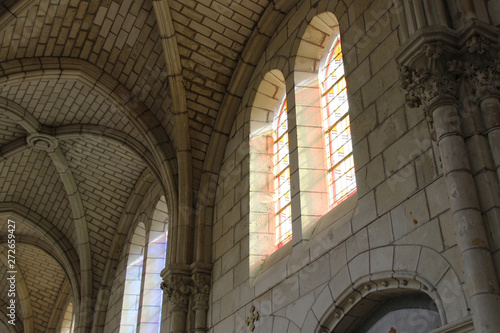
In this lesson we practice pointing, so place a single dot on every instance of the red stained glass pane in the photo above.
(336, 124)
(282, 179)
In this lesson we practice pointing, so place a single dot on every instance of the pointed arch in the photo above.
(133, 278)
(153, 263)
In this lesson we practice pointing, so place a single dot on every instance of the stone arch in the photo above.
(4, 326)
(373, 294)
(253, 51)
(22, 292)
(58, 313)
(133, 278)
(331, 13)
(275, 324)
(389, 270)
(105, 85)
(129, 220)
(267, 97)
(67, 255)
(154, 262)
(19, 114)
(66, 314)
(51, 240)
(315, 37)
(139, 214)
(181, 218)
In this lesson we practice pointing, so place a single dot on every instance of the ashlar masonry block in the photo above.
(380, 232)
(285, 293)
(428, 235)
(395, 189)
(406, 258)
(410, 215)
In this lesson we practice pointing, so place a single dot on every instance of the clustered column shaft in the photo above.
(188, 293)
(479, 273)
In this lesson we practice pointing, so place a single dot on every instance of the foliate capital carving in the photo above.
(477, 44)
(201, 288)
(483, 79)
(424, 87)
(481, 66)
(430, 78)
(433, 50)
(177, 290)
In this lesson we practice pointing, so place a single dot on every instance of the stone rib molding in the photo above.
(271, 19)
(57, 311)
(181, 219)
(127, 219)
(66, 254)
(17, 113)
(22, 292)
(83, 319)
(47, 68)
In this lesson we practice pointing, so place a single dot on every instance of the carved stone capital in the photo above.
(201, 288)
(431, 82)
(481, 67)
(177, 290)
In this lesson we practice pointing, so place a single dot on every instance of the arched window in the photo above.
(336, 125)
(283, 207)
(133, 279)
(143, 298)
(320, 113)
(68, 320)
(270, 208)
(154, 262)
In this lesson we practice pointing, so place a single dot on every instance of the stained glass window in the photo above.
(282, 179)
(337, 129)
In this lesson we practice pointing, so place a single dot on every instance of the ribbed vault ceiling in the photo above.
(90, 79)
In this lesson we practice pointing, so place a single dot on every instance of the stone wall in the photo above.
(398, 234)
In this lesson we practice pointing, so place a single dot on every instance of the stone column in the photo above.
(201, 292)
(433, 86)
(177, 290)
(480, 277)
(490, 108)
(481, 70)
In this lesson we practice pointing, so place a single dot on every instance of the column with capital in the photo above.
(481, 72)
(430, 76)
(201, 292)
(177, 289)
